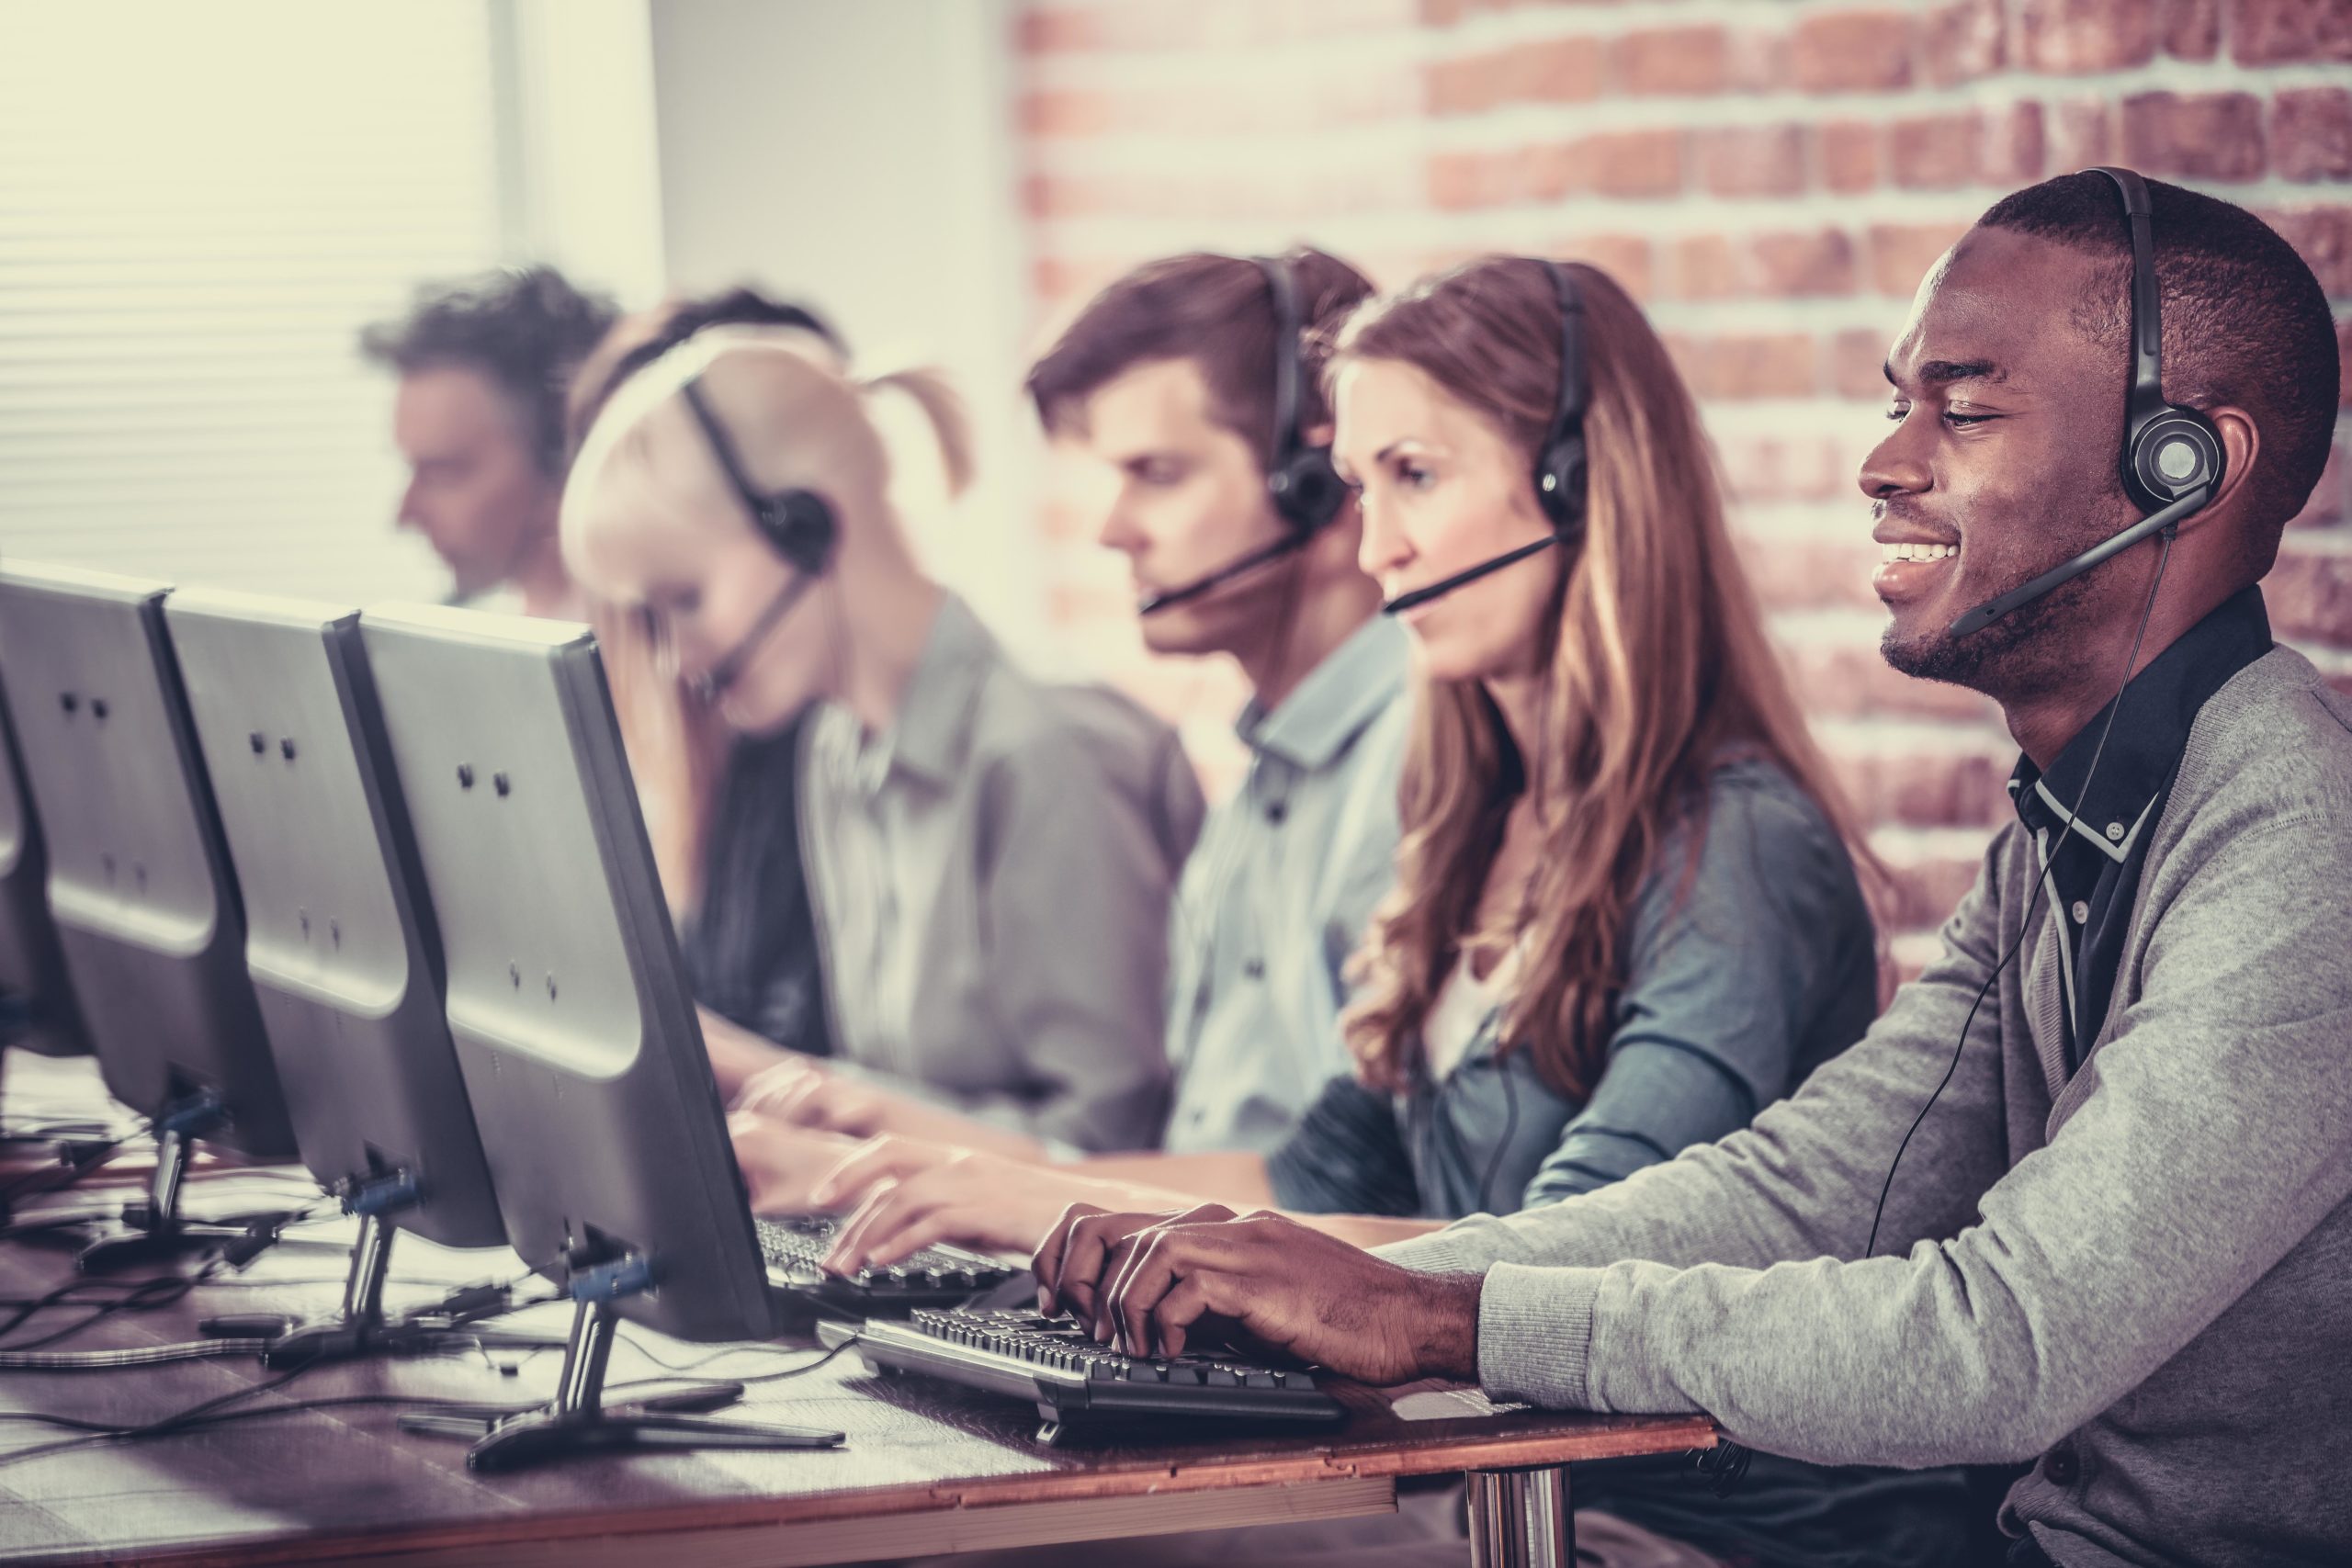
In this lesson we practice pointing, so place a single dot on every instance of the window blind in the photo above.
(199, 207)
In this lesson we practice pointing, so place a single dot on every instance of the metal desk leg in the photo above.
(1520, 1518)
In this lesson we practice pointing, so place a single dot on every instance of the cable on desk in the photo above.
(138, 1356)
(210, 1413)
(142, 1296)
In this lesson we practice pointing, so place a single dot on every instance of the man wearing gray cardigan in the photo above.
(2119, 1242)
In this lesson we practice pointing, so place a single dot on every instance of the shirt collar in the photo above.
(2160, 703)
(934, 726)
(1329, 709)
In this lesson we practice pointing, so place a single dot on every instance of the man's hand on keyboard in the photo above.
(1146, 1281)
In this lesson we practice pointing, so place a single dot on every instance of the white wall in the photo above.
(857, 155)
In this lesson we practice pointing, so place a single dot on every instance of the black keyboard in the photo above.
(1056, 1365)
(795, 1249)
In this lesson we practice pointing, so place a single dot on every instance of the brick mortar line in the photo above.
(1685, 214)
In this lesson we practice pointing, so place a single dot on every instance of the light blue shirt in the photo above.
(1276, 896)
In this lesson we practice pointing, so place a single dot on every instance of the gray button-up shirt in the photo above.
(992, 879)
(1277, 894)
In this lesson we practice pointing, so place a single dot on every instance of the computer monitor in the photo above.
(36, 1006)
(138, 882)
(339, 937)
(573, 1023)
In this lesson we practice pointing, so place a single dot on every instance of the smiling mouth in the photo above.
(1908, 551)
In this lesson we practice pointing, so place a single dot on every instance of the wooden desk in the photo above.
(927, 1468)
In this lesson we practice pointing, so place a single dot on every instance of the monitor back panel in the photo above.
(32, 969)
(139, 886)
(572, 1021)
(337, 936)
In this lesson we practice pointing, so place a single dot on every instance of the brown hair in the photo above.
(1658, 671)
(1215, 310)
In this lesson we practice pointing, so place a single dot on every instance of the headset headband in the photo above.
(2147, 318)
(1287, 438)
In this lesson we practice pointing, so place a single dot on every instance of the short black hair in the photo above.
(527, 329)
(1215, 310)
(741, 306)
(2244, 321)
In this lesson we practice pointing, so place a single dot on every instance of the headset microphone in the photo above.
(1445, 585)
(2172, 456)
(1288, 544)
(1561, 487)
(1300, 480)
(1991, 610)
(798, 525)
(716, 681)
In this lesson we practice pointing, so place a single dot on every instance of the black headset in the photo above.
(1562, 481)
(2172, 457)
(1305, 487)
(798, 525)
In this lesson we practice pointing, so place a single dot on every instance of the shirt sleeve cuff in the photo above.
(1535, 1335)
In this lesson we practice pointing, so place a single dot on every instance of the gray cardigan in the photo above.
(2142, 1275)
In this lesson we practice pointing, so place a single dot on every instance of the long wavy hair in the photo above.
(1658, 672)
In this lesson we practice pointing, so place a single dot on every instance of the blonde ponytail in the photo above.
(943, 407)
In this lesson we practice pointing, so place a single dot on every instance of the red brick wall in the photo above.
(1771, 179)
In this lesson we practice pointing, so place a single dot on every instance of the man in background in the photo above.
(485, 363)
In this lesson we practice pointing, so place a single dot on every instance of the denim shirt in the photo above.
(1743, 971)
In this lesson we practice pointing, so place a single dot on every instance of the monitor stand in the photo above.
(578, 1422)
(154, 1232)
(361, 1328)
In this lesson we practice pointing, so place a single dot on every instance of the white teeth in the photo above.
(1917, 552)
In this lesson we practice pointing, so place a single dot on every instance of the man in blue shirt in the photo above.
(1175, 377)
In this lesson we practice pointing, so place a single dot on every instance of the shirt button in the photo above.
(1255, 969)
(2061, 1468)
(2082, 912)
(2115, 832)
(1276, 811)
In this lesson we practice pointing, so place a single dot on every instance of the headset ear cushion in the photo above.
(2171, 455)
(1560, 484)
(799, 525)
(1306, 489)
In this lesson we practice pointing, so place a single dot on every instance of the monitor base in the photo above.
(153, 1232)
(577, 1422)
(361, 1328)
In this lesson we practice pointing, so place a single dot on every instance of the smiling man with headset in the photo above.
(2117, 1246)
